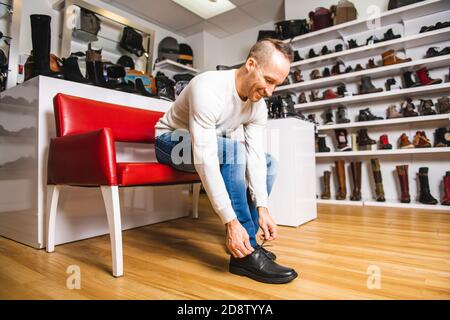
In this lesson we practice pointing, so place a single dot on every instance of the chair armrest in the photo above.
(83, 159)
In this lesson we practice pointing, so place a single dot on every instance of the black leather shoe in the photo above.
(258, 266)
(270, 254)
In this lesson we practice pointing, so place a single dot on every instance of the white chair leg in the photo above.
(195, 196)
(50, 217)
(112, 204)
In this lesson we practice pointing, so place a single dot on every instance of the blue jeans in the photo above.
(231, 155)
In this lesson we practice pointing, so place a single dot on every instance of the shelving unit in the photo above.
(5, 41)
(175, 67)
(407, 22)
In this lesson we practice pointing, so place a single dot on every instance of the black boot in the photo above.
(364, 139)
(258, 266)
(328, 116)
(426, 107)
(341, 115)
(341, 89)
(409, 81)
(40, 37)
(312, 54)
(71, 70)
(321, 142)
(425, 195)
(366, 115)
(367, 86)
(439, 137)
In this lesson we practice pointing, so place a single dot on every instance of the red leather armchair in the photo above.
(83, 154)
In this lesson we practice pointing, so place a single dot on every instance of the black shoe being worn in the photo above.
(258, 266)
(270, 254)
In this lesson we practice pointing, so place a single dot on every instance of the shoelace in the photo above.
(263, 247)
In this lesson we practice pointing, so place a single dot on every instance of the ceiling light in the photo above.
(206, 8)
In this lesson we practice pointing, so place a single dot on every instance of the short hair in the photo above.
(263, 49)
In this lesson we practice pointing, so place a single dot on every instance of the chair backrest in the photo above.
(77, 115)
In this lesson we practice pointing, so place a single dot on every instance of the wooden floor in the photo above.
(186, 259)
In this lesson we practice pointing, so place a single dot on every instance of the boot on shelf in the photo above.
(439, 137)
(349, 69)
(404, 143)
(443, 105)
(338, 47)
(359, 67)
(356, 176)
(297, 76)
(425, 196)
(390, 58)
(432, 52)
(367, 86)
(302, 98)
(325, 50)
(392, 112)
(408, 107)
(341, 114)
(424, 77)
(402, 172)
(94, 66)
(315, 74)
(421, 141)
(352, 44)
(371, 64)
(446, 198)
(326, 193)
(312, 118)
(328, 116)
(314, 95)
(330, 94)
(364, 139)
(321, 143)
(426, 107)
(389, 35)
(341, 193)
(326, 72)
(341, 138)
(366, 115)
(41, 42)
(409, 80)
(376, 171)
(71, 70)
(384, 142)
(391, 84)
(341, 89)
(312, 54)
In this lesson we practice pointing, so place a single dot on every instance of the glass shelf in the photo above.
(8, 8)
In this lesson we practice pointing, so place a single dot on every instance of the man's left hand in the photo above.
(266, 223)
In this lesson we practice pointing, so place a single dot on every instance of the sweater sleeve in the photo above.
(202, 126)
(256, 158)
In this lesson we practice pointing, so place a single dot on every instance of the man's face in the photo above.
(264, 78)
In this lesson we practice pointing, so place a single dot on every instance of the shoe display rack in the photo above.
(172, 67)
(357, 71)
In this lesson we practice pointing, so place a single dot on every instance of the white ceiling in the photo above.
(171, 16)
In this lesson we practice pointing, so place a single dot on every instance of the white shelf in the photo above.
(175, 67)
(388, 203)
(386, 122)
(412, 41)
(360, 25)
(381, 152)
(385, 95)
(380, 72)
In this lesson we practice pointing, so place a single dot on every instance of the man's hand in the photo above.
(238, 240)
(266, 223)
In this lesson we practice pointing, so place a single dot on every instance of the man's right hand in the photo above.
(238, 240)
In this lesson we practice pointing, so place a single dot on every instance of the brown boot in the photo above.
(326, 194)
(302, 98)
(341, 194)
(392, 112)
(371, 64)
(421, 140)
(402, 172)
(356, 175)
(404, 142)
(376, 170)
(390, 58)
(315, 74)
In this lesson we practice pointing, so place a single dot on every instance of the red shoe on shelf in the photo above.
(446, 199)
(424, 77)
(384, 142)
(330, 94)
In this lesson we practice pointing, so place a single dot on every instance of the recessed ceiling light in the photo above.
(206, 8)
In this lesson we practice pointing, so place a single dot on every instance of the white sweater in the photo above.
(209, 107)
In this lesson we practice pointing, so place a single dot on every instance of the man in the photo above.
(214, 103)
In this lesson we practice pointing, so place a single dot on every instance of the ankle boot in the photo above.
(359, 67)
(426, 107)
(356, 175)
(443, 105)
(341, 193)
(302, 98)
(390, 58)
(376, 171)
(408, 107)
(439, 137)
(364, 139)
(326, 194)
(71, 70)
(392, 112)
(432, 52)
(340, 115)
(312, 54)
(352, 44)
(384, 142)
(367, 86)
(325, 51)
(328, 116)
(371, 64)
(341, 138)
(404, 143)
(402, 172)
(349, 69)
(425, 195)
(326, 72)
(341, 89)
(446, 199)
(409, 81)
(321, 142)
(329, 94)
(315, 74)
(421, 141)
(312, 118)
(297, 75)
(338, 47)
(390, 84)
(41, 41)
(366, 115)
(389, 35)
(314, 95)
(424, 77)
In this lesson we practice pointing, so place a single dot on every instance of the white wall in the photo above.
(299, 9)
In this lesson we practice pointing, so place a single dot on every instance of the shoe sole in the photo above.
(244, 272)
